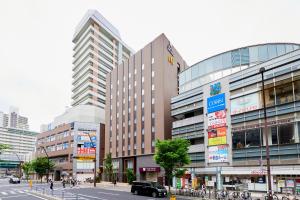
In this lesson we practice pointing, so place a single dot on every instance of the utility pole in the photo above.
(262, 70)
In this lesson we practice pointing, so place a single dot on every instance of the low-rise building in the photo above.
(73, 141)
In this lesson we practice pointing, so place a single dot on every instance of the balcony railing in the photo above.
(188, 121)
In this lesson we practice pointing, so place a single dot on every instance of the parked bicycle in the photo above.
(272, 194)
(223, 194)
(246, 195)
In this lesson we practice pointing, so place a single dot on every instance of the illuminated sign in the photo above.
(216, 119)
(171, 59)
(217, 136)
(215, 89)
(217, 154)
(216, 103)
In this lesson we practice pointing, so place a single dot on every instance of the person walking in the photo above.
(64, 183)
(51, 184)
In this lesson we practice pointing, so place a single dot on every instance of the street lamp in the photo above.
(48, 162)
(95, 166)
(261, 71)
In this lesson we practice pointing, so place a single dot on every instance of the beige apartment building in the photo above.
(138, 108)
(98, 48)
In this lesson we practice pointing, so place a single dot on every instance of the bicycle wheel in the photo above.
(284, 198)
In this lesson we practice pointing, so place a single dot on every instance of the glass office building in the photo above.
(230, 62)
(219, 110)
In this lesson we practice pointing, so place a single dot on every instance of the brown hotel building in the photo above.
(138, 99)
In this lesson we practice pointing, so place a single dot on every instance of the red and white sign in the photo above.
(86, 151)
(217, 119)
(259, 172)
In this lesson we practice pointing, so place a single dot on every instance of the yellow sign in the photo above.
(30, 184)
(171, 59)
(217, 141)
(85, 158)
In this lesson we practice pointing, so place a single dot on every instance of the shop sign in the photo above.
(89, 144)
(210, 183)
(281, 183)
(217, 154)
(216, 103)
(86, 136)
(217, 136)
(86, 150)
(215, 89)
(86, 158)
(149, 169)
(216, 119)
(259, 172)
(290, 183)
(178, 183)
(244, 104)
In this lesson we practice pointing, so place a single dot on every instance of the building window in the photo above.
(152, 74)
(249, 138)
(152, 100)
(152, 60)
(286, 134)
(143, 131)
(153, 87)
(297, 90)
(129, 75)
(143, 145)
(134, 83)
(270, 96)
(143, 79)
(284, 93)
(143, 104)
(134, 71)
(153, 115)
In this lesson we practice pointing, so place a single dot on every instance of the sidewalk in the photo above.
(125, 187)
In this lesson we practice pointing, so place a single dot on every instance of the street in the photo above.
(82, 192)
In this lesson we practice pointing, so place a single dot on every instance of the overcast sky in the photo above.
(36, 39)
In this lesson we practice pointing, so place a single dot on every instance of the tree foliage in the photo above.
(41, 166)
(108, 166)
(4, 147)
(172, 155)
(130, 176)
(27, 169)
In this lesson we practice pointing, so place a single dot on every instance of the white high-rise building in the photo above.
(98, 48)
(13, 119)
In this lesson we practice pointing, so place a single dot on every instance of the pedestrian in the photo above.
(115, 182)
(51, 184)
(64, 183)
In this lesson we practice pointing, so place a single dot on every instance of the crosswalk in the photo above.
(12, 192)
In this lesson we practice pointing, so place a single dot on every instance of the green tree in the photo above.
(41, 166)
(130, 176)
(172, 155)
(27, 169)
(108, 166)
(4, 147)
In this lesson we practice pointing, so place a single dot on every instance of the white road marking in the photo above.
(36, 196)
(91, 196)
(109, 193)
(14, 196)
(12, 192)
(4, 193)
(20, 191)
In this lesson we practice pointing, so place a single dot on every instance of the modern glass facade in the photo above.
(241, 133)
(230, 62)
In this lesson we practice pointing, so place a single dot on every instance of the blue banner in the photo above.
(89, 144)
(216, 103)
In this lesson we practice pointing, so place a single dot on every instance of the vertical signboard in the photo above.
(216, 103)
(217, 154)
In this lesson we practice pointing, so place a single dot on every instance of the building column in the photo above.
(296, 132)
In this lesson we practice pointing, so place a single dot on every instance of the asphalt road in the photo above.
(82, 192)
(15, 191)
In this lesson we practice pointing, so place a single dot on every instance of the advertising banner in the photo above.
(216, 103)
(216, 119)
(217, 154)
(86, 151)
(217, 136)
(244, 104)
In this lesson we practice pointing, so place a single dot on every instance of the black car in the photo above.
(148, 188)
